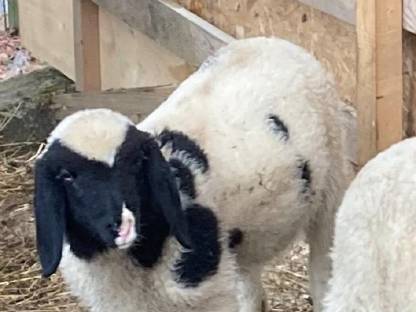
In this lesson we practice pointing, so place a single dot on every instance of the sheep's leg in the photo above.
(251, 295)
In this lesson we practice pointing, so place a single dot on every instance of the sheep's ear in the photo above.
(165, 195)
(50, 218)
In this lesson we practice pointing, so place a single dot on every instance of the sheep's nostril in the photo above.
(113, 227)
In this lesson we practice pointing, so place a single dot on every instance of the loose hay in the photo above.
(22, 288)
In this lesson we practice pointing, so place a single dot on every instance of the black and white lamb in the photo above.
(374, 250)
(256, 141)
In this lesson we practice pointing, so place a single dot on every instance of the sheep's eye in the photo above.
(65, 175)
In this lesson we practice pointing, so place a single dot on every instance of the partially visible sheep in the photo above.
(374, 254)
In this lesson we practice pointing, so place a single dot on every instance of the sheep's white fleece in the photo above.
(254, 181)
(374, 253)
(111, 282)
(254, 178)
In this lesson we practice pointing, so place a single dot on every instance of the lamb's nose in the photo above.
(113, 227)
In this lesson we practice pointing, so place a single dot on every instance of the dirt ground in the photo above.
(21, 287)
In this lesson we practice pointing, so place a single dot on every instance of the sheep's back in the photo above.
(264, 177)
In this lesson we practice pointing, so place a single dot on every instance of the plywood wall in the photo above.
(130, 59)
(47, 30)
(332, 41)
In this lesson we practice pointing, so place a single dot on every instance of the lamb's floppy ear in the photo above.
(50, 217)
(165, 194)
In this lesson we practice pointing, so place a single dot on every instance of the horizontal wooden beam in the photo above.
(173, 27)
(341, 9)
(135, 103)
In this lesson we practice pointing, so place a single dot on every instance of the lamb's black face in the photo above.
(93, 194)
(94, 203)
(98, 205)
(81, 200)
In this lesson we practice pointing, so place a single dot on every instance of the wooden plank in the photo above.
(389, 69)
(379, 76)
(143, 61)
(47, 30)
(12, 15)
(135, 103)
(409, 76)
(413, 82)
(87, 46)
(413, 88)
(172, 26)
(366, 80)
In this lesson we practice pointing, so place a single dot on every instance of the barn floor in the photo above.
(22, 289)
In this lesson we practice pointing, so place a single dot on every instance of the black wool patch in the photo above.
(181, 142)
(202, 261)
(279, 127)
(305, 174)
(235, 237)
(153, 231)
(185, 177)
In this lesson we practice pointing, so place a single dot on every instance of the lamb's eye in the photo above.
(65, 175)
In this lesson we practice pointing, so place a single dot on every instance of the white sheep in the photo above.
(374, 250)
(257, 138)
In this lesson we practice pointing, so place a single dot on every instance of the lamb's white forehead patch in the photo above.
(95, 133)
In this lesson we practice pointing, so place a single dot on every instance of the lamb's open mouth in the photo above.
(127, 231)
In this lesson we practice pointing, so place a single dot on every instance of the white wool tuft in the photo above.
(93, 133)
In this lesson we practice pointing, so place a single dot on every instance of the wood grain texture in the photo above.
(332, 41)
(366, 80)
(389, 69)
(135, 103)
(170, 25)
(47, 30)
(380, 76)
(87, 46)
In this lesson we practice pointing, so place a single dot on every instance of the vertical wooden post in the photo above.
(412, 107)
(366, 79)
(87, 45)
(13, 15)
(379, 76)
